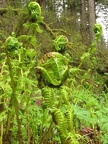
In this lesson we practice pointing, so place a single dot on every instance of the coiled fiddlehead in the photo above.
(34, 10)
(60, 43)
(98, 31)
(12, 44)
(54, 68)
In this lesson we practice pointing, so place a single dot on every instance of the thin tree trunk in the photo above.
(84, 21)
(92, 19)
(42, 2)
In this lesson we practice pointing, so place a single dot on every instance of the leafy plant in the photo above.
(34, 10)
(50, 100)
(54, 68)
(60, 43)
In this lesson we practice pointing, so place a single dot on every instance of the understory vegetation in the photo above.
(53, 87)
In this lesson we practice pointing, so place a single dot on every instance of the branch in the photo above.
(48, 29)
(62, 31)
(15, 10)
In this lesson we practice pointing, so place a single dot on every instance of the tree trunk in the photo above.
(42, 2)
(84, 21)
(92, 19)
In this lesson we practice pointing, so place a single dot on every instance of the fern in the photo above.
(48, 77)
(69, 118)
(49, 97)
(60, 121)
(64, 94)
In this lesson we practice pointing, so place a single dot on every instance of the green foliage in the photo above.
(12, 43)
(98, 33)
(57, 102)
(33, 26)
(88, 111)
(60, 43)
(66, 105)
(34, 10)
(49, 97)
(54, 68)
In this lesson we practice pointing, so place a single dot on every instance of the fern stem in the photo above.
(13, 100)
(46, 133)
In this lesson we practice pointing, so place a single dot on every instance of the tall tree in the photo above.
(92, 18)
(42, 2)
(84, 20)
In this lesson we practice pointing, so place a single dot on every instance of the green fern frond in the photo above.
(73, 138)
(48, 97)
(48, 77)
(60, 121)
(58, 115)
(69, 118)
(64, 95)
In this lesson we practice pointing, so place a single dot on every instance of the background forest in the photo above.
(53, 72)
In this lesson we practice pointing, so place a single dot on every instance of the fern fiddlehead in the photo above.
(60, 43)
(34, 10)
(54, 68)
(98, 32)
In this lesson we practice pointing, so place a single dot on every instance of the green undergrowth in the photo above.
(51, 93)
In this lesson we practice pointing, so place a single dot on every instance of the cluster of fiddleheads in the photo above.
(57, 102)
(53, 68)
(63, 121)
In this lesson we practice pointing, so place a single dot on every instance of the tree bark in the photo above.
(84, 21)
(42, 2)
(92, 19)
